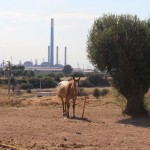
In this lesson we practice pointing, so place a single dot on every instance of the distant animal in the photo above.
(68, 90)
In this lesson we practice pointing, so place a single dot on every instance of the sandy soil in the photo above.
(44, 128)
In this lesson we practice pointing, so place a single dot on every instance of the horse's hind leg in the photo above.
(64, 107)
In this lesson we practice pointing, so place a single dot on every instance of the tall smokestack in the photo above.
(57, 55)
(65, 60)
(49, 55)
(52, 44)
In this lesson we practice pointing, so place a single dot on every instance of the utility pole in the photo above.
(40, 84)
(8, 73)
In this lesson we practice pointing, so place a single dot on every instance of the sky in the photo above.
(25, 27)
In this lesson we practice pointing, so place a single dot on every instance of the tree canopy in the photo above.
(120, 44)
(67, 69)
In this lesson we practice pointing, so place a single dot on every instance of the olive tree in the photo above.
(120, 44)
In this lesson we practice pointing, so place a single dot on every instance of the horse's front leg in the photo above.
(64, 107)
(68, 105)
(74, 104)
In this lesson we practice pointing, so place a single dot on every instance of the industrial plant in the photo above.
(50, 63)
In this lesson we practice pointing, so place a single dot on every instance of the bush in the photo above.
(96, 93)
(57, 78)
(28, 90)
(104, 92)
(34, 81)
(86, 83)
(81, 92)
(48, 83)
(97, 80)
(21, 80)
(26, 86)
(77, 74)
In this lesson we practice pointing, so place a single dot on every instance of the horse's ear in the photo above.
(73, 78)
(79, 78)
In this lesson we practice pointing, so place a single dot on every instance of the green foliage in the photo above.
(77, 74)
(121, 45)
(28, 73)
(2, 73)
(26, 86)
(86, 83)
(17, 70)
(81, 92)
(13, 81)
(96, 93)
(57, 78)
(67, 69)
(21, 80)
(48, 83)
(104, 92)
(94, 79)
(97, 80)
(28, 90)
(34, 81)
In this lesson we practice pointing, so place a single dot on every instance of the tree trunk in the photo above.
(135, 105)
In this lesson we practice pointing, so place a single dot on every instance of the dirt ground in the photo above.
(44, 128)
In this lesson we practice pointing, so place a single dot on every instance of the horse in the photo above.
(68, 90)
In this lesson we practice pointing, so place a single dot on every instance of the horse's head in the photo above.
(76, 83)
(73, 86)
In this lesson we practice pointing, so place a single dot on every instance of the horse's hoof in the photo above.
(64, 114)
(65, 117)
(73, 117)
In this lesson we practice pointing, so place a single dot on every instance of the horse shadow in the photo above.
(137, 121)
(80, 119)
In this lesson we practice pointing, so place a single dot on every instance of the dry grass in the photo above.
(30, 99)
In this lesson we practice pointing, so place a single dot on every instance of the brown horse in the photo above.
(68, 90)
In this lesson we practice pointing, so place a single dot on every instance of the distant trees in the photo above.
(94, 79)
(121, 45)
(17, 70)
(67, 69)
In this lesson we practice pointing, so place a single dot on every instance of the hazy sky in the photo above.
(25, 26)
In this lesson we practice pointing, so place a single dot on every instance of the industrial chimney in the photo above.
(49, 55)
(57, 55)
(52, 44)
(65, 60)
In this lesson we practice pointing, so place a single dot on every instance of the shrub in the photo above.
(97, 80)
(48, 83)
(104, 92)
(77, 74)
(28, 90)
(86, 83)
(81, 92)
(96, 93)
(26, 86)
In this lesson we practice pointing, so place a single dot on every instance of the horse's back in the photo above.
(62, 88)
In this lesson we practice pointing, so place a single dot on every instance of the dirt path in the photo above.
(44, 128)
